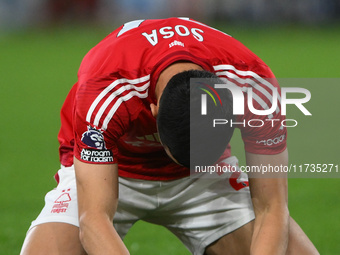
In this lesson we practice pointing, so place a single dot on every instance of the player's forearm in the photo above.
(271, 232)
(98, 236)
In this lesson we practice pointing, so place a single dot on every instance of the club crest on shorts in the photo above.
(93, 138)
(62, 202)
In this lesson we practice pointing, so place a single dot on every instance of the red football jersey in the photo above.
(106, 117)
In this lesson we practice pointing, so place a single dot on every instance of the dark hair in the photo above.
(189, 135)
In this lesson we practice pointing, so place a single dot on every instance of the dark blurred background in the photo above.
(42, 43)
(16, 14)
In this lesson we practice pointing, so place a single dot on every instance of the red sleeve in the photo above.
(263, 134)
(97, 128)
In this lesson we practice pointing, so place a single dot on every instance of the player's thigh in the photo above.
(53, 238)
(236, 242)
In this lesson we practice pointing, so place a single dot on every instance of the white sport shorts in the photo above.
(198, 211)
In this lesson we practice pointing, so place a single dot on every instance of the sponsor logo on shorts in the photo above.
(98, 156)
(62, 202)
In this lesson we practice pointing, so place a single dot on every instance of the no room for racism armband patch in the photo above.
(96, 156)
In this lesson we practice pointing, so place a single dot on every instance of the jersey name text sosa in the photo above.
(168, 32)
